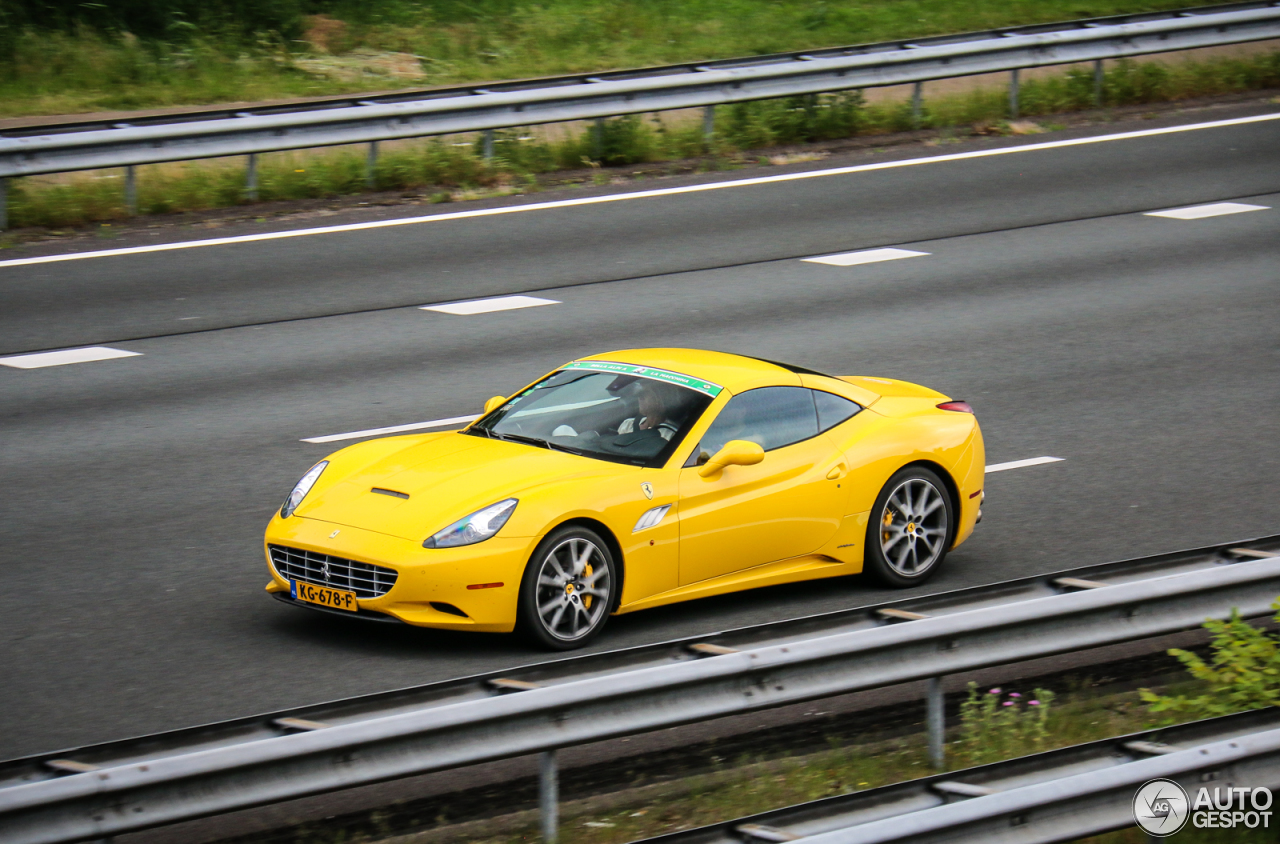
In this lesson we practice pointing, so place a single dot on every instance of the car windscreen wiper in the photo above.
(547, 444)
(520, 438)
(564, 448)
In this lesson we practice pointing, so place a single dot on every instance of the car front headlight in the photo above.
(301, 489)
(477, 527)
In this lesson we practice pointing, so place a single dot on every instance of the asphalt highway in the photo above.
(1144, 351)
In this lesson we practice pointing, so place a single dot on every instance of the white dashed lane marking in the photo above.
(1217, 209)
(65, 356)
(866, 256)
(394, 429)
(1020, 464)
(486, 306)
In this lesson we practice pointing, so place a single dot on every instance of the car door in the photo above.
(785, 506)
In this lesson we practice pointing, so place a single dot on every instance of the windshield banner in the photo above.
(705, 387)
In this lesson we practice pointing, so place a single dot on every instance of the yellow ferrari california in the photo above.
(629, 480)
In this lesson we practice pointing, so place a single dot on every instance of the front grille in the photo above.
(365, 579)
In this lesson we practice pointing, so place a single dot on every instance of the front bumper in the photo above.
(425, 576)
(363, 615)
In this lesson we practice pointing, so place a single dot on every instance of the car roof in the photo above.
(728, 370)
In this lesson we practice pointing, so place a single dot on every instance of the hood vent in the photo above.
(390, 492)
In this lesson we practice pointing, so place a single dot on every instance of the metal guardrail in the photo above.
(473, 109)
(164, 783)
(187, 114)
(1058, 795)
(1084, 803)
(603, 665)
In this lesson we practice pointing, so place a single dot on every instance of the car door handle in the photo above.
(836, 473)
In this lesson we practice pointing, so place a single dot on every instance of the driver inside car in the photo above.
(654, 408)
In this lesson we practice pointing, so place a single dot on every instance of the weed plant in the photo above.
(997, 725)
(1243, 672)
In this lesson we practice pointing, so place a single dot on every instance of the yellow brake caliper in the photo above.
(586, 599)
(886, 521)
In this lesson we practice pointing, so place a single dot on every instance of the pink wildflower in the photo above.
(1033, 703)
(1007, 703)
(1014, 694)
(994, 692)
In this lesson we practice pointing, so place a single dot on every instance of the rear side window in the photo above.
(832, 409)
(770, 416)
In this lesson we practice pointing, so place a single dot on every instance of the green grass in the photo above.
(453, 168)
(99, 66)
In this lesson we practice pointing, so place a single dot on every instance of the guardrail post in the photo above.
(4, 204)
(370, 166)
(708, 124)
(131, 190)
(917, 94)
(1013, 94)
(548, 796)
(597, 139)
(251, 178)
(488, 146)
(1097, 82)
(935, 719)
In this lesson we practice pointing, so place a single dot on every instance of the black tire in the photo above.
(904, 549)
(573, 611)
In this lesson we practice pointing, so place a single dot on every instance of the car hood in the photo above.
(428, 485)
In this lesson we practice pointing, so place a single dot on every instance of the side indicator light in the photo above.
(484, 585)
(957, 406)
(976, 494)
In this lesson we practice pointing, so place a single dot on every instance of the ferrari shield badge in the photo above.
(647, 489)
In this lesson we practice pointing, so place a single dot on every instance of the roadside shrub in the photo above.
(790, 120)
(612, 142)
(1133, 83)
(996, 725)
(1243, 673)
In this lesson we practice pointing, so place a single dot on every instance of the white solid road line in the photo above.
(866, 256)
(394, 429)
(1216, 209)
(645, 194)
(65, 356)
(488, 306)
(1019, 464)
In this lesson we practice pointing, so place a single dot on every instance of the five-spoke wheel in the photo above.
(911, 528)
(568, 588)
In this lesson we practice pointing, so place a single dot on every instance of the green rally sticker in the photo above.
(676, 378)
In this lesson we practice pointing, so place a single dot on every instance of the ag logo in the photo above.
(335, 533)
(647, 489)
(1161, 808)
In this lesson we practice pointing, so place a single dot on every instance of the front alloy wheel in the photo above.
(568, 589)
(911, 528)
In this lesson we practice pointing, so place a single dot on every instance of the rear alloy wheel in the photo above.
(911, 528)
(568, 589)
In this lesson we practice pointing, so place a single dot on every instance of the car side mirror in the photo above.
(495, 402)
(734, 453)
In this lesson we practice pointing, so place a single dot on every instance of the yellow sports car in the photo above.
(630, 480)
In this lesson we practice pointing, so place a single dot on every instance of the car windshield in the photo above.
(619, 417)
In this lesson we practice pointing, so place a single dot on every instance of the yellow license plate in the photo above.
(322, 595)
